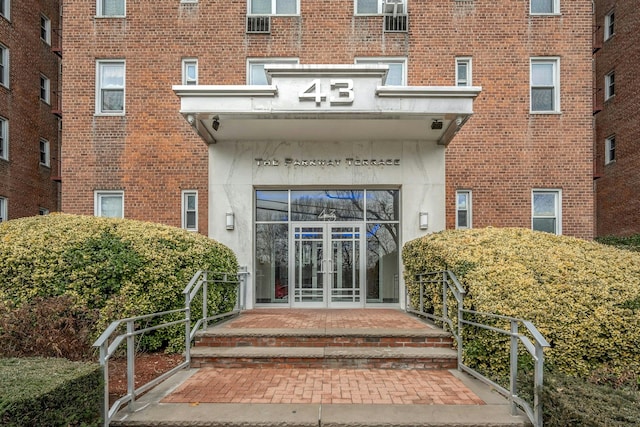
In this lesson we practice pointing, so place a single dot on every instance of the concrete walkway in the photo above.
(254, 396)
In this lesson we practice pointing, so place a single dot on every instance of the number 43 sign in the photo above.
(340, 92)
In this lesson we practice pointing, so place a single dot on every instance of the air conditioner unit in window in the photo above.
(394, 7)
(258, 24)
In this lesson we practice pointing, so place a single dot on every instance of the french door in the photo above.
(327, 264)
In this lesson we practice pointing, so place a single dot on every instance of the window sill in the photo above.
(547, 113)
(122, 114)
(546, 14)
(110, 16)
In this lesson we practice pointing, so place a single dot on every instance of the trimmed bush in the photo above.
(118, 267)
(49, 392)
(573, 402)
(583, 296)
(631, 243)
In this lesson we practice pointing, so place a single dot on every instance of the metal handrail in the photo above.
(108, 342)
(451, 286)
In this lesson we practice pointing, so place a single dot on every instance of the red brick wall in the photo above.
(26, 184)
(618, 185)
(501, 154)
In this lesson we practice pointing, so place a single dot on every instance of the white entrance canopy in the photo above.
(326, 103)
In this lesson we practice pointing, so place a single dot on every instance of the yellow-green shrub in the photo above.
(120, 267)
(583, 296)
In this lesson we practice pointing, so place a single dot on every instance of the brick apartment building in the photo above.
(29, 111)
(617, 102)
(314, 138)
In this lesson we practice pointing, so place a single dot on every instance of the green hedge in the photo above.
(631, 243)
(573, 402)
(583, 296)
(49, 392)
(117, 267)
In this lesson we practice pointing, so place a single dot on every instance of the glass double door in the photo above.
(327, 264)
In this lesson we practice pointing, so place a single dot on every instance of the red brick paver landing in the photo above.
(326, 386)
(329, 319)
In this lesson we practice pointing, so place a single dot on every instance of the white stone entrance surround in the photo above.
(324, 126)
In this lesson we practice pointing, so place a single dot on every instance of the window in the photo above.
(4, 66)
(397, 75)
(273, 7)
(545, 7)
(111, 8)
(44, 89)
(190, 210)
(463, 209)
(43, 211)
(110, 87)
(609, 85)
(4, 138)
(376, 7)
(45, 29)
(546, 211)
(5, 8)
(610, 150)
(463, 71)
(255, 69)
(3, 209)
(109, 204)
(44, 152)
(609, 25)
(190, 71)
(545, 93)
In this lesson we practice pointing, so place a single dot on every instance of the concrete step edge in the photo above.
(314, 333)
(324, 352)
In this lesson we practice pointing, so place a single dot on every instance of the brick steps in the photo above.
(324, 357)
(376, 348)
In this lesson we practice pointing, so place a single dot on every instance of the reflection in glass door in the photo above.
(326, 263)
(308, 266)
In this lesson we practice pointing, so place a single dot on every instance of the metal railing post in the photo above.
(131, 360)
(513, 364)
(105, 375)
(538, 383)
(205, 297)
(421, 294)
(187, 328)
(460, 323)
(445, 307)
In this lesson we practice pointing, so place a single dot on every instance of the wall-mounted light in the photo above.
(191, 119)
(215, 124)
(424, 220)
(231, 221)
(436, 124)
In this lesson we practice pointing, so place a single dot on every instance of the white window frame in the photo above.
(100, 194)
(610, 150)
(4, 66)
(609, 85)
(557, 208)
(45, 89)
(555, 61)
(45, 27)
(257, 62)
(100, 9)
(4, 138)
(386, 60)
(43, 211)
(609, 25)
(380, 8)
(469, 209)
(3, 209)
(7, 9)
(44, 153)
(556, 8)
(273, 9)
(466, 60)
(99, 67)
(186, 63)
(185, 209)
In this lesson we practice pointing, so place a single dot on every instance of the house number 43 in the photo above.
(340, 92)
